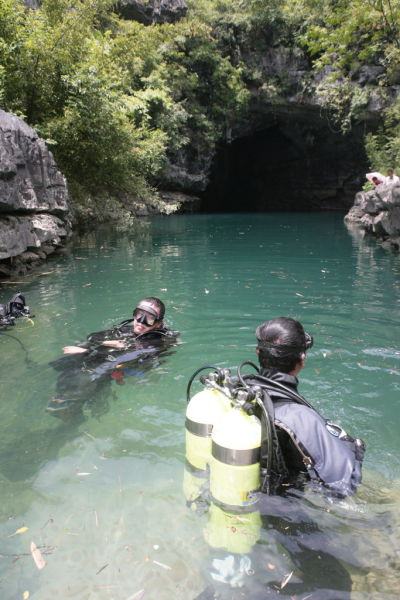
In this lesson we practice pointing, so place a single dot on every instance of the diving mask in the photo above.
(309, 340)
(145, 317)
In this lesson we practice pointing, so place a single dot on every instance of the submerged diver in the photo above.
(109, 355)
(312, 447)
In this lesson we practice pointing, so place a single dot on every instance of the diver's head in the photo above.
(282, 345)
(148, 315)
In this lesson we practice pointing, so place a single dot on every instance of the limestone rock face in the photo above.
(35, 214)
(378, 213)
(152, 11)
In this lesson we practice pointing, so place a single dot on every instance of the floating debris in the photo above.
(19, 531)
(102, 568)
(286, 580)
(160, 564)
(37, 556)
(47, 522)
(137, 596)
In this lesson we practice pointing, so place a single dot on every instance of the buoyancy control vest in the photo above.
(82, 375)
(326, 452)
(102, 359)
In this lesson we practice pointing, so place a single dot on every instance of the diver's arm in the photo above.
(119, 344)
(114, 344)
(103, 338)
(74, 350)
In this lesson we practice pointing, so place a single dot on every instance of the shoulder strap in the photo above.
(272, 463)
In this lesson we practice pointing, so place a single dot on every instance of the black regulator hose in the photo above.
(189, 385)
(271, 384)
(276, 385)
(29, 361)
(239, 372)
(272, 462)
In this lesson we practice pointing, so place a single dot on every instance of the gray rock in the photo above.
(378, 213)
(368, 74)
(187, 203)
(18, 233)
(151, 11)
(35, 215)
(29, 178)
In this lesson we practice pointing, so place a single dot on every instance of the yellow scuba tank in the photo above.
(236, 532)
(203, 411)
(235, 466)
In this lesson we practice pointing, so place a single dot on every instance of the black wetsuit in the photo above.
(311, 445)
(84, 376)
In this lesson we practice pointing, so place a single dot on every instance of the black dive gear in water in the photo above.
(310, 445)
(14, 309)
(87, 376)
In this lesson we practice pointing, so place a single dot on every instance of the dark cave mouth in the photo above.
(287, 167)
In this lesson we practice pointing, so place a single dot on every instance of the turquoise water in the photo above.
(103, 500)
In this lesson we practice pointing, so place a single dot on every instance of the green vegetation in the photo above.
(348, 39)
(116, 100)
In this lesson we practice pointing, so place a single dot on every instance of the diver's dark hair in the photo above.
(281, 343)
(159, 304)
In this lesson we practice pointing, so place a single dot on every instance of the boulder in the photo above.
(34, 203)
(181, 203)
(29, 178)
(378, 213)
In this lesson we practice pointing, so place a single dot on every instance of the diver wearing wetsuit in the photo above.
(107, 355)
(312, 447)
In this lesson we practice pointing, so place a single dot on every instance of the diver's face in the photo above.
(144, 321)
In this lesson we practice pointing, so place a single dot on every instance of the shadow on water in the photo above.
(23, 457)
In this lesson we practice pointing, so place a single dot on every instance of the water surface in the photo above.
(103, 499)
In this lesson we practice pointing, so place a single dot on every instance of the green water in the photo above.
(103, 500)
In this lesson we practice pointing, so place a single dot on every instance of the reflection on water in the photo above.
(103, 499)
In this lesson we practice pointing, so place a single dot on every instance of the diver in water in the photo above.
(266, 438)
(132, 346)
(312, 448)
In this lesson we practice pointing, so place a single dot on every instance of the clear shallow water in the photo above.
(104, 500)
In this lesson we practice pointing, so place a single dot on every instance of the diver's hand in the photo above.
(74, 350)
(114, 344)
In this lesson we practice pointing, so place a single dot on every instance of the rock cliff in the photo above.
(35, 215)
(153, 11)
(378, 212)
(287, 153)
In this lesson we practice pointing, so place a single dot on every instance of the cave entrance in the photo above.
(287, 167)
